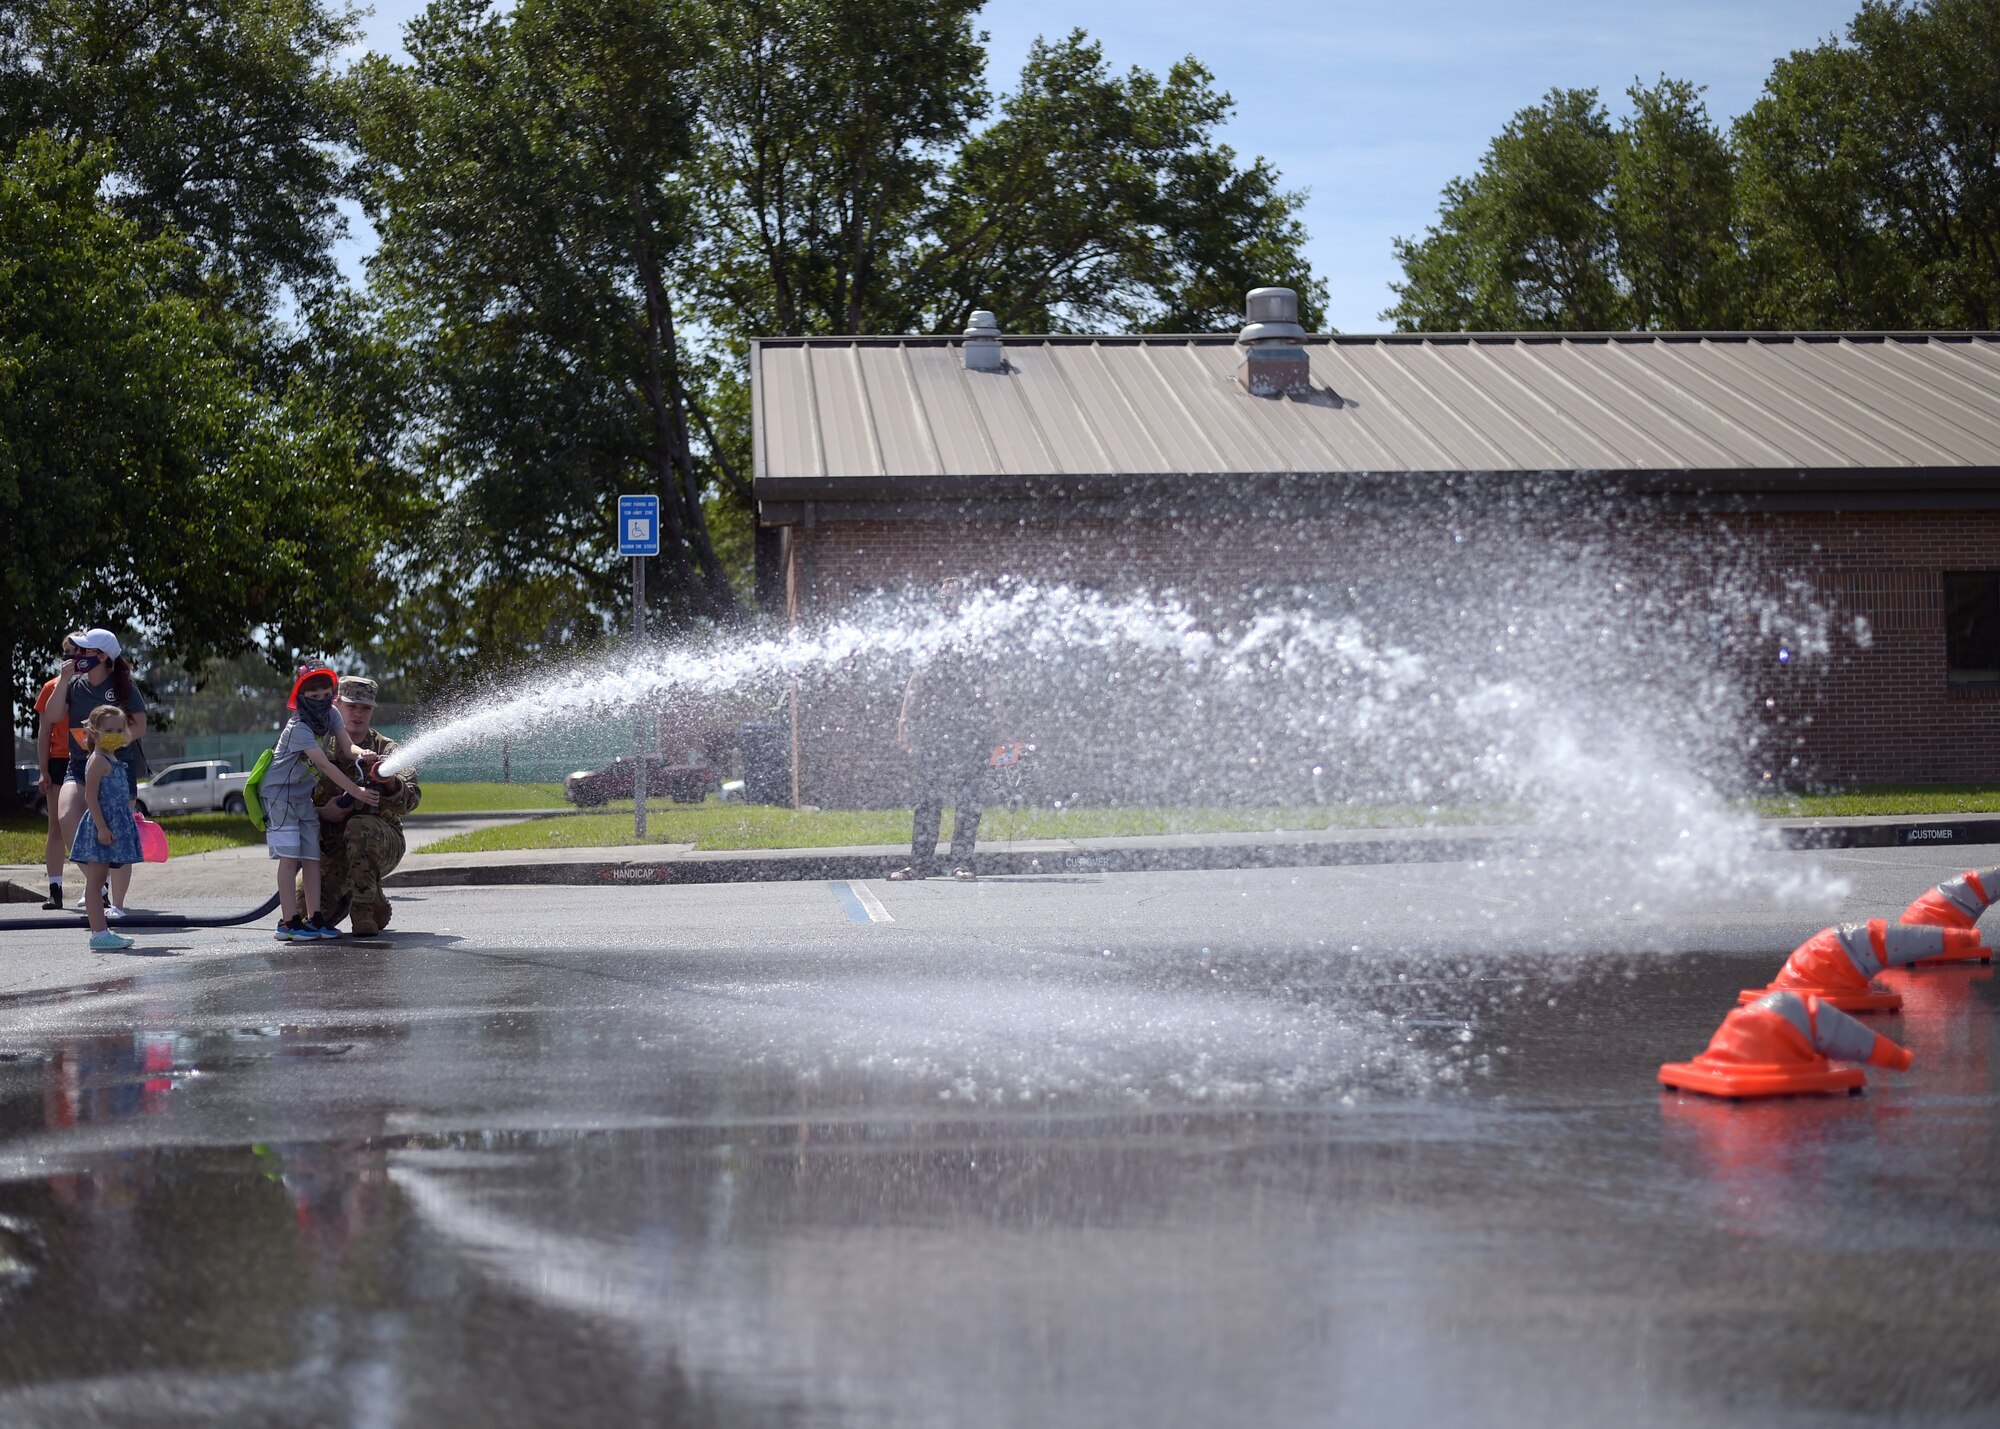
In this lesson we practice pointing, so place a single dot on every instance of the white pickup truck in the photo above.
(191, 788)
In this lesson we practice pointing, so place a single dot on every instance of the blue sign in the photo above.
(638, 525)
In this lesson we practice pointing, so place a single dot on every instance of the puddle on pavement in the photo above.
(535, 1213)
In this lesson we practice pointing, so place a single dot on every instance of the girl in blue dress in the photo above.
(108, 836)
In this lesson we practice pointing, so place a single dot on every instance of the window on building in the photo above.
(1972, 628)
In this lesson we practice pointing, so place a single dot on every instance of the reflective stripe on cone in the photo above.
(1781, 1045)
(1957, 902)
(1836, 964)
(1955, 905)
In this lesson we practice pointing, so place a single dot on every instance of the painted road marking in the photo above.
(861, 903)
(876, 912)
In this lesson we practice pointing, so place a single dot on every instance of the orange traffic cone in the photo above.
(1957, 903)
(1836, 964)
(1780, 1045)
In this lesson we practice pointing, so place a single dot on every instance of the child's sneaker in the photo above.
(320, 928)
(291, 931)
(108, 942)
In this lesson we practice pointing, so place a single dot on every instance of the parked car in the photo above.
(683, 783)
(28, 788)
(195, 787)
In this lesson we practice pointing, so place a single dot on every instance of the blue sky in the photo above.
(1374, 107)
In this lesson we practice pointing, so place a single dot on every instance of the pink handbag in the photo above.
(152, 839)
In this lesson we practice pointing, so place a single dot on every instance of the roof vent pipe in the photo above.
(982, 344)
(1274, 358)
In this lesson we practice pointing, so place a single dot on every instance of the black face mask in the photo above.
(317, 713)
(86, 663)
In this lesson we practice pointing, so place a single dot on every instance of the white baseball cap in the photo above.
(100, 640)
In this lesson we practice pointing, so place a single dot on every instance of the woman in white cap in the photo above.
(103, 677)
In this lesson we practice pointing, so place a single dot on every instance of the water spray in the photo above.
(1598, 701)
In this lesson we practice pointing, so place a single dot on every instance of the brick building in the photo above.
(1867, 464)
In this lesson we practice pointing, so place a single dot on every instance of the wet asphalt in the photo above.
(1316, 1146)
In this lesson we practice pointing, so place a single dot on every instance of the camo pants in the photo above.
(354, 859)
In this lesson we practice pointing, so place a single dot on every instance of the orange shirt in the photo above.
(55, 735)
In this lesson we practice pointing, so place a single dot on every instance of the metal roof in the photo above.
(901, 417)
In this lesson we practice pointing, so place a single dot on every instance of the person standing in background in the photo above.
(51, 763)
(103, 676)
(952, 713)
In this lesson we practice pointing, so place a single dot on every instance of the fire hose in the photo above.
(144, 920)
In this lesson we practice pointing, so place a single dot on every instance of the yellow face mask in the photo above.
(111, 741)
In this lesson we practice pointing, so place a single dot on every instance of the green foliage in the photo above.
(1932, 104)
(1817, 257)
(828, 128)
(1673, 211)
(223, 120)
(1105, 202)
(1862, 190)
(1528, 243)
(559, 187)
(526, 173)
(848, 192)
(1871, 173)
(145, 479)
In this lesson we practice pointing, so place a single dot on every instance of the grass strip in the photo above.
(718, 825)
(1883, 801)
(480, 798)
(187, 834)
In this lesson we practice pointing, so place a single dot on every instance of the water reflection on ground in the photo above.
(411, 1207)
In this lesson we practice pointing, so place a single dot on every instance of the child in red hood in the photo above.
(312, 740)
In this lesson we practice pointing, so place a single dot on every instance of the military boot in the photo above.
(362, 920)
(382, 909)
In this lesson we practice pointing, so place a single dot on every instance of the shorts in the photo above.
(72, 770)
(291, 830)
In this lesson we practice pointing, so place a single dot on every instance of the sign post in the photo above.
(639, 537)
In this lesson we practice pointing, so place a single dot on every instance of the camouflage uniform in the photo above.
(355, 856)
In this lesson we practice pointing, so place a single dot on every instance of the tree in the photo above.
(850, 194)
(1816, 253)
(1529, 242)
(145, 478)
(1673, 210)
(828, 127)
(528, 176)
(1102, 201)
(587, 210)
(1929, 117)
(225, 121)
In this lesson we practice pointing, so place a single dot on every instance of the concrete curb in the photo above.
(1172, 852)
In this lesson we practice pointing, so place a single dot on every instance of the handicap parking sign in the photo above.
(638, 525)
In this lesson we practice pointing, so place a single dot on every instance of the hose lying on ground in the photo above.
(144, 920)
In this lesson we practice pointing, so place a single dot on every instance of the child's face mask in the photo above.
(111, 740)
